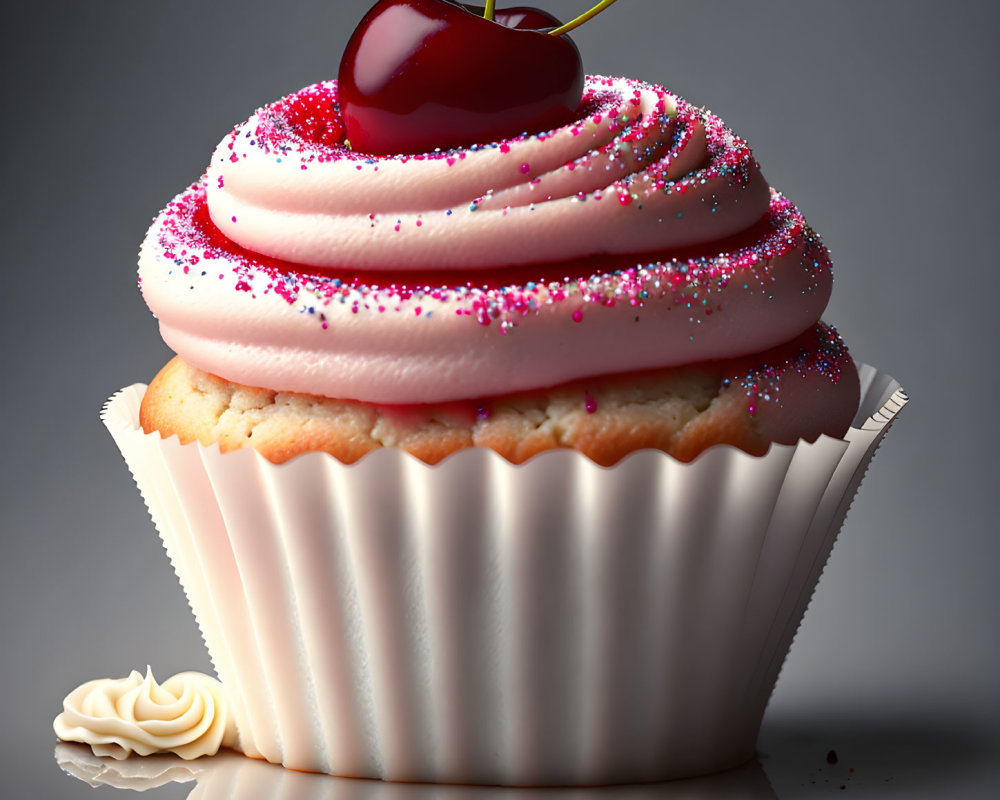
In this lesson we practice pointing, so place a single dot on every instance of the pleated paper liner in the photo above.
(555, 622)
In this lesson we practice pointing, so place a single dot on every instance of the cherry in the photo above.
(423, 74)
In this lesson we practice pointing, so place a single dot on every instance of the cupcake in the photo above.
(514, 462)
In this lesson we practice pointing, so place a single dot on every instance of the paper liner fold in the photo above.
(555, 622)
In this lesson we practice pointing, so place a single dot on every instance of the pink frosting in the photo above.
(641, 171)
(642, 236)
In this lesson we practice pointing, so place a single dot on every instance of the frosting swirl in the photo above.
(642, 236)
(669, 175)
(186, 715)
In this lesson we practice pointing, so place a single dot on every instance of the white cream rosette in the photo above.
(186, 715)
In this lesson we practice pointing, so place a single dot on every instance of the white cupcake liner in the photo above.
(555, 622)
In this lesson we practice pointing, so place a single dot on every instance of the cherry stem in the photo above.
(488, 10)
(576, 23)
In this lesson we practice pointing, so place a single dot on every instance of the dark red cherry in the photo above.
(423, 74)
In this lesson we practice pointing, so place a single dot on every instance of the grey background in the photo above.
(879, 119)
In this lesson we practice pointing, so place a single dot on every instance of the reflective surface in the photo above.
(231, 776)
(797, 759)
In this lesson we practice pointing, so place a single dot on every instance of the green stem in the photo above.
(576, 23)
(488, 11)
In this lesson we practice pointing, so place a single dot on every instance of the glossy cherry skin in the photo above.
(424, 74)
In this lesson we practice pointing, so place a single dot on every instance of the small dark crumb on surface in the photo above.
(831, 757)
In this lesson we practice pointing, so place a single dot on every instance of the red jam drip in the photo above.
(309, 123)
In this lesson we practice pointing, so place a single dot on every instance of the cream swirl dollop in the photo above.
(187, 715)
(641, 236)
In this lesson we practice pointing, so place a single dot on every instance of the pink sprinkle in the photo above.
(578, 315)
(525, 168)
(590, 404)
(504, 148)
(419, 223)
(416, 311)
(234, 219)
(234, 158)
